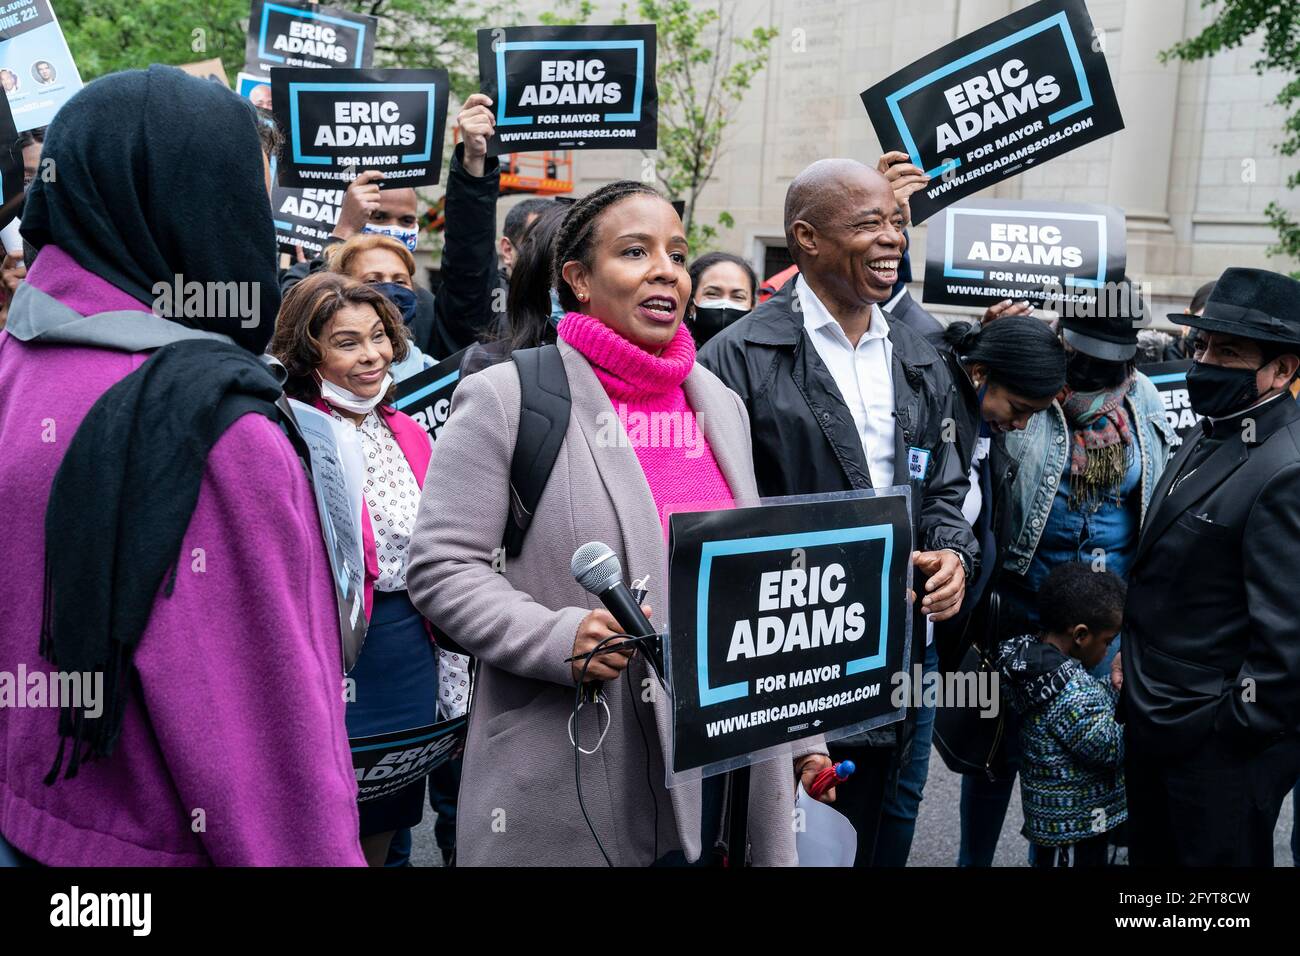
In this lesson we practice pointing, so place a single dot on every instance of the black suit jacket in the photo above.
(1211, 639)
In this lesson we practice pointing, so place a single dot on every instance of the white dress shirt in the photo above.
(864, 376)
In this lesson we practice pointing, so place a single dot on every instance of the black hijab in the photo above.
(157, 175)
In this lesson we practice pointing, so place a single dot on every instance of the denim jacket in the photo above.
(1040, 452)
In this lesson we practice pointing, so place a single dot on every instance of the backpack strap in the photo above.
(544, 406)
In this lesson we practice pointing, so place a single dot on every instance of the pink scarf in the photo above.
(651, 406)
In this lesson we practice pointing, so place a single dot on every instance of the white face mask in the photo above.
(340, 397)
(719, 304)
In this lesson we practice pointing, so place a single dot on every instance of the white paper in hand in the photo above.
(827, 838)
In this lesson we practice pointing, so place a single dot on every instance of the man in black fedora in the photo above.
(1211, 652)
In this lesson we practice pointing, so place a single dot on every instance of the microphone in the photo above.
(596, 567)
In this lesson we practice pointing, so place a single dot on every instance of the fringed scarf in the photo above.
(1102, 438)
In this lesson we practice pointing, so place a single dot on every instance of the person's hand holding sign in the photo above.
(945, 584)
(360, 200)
(903, 176)
(1005, 308)
(477, 125)
(12, 273)
(608, 664)
(807, 768)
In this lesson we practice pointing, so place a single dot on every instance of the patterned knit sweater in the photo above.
(650, 412)
(1071, 748)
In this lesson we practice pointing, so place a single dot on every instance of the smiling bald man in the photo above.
(840, 398)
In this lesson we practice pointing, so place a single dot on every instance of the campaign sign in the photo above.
(290, 33)
(785, 621)
(427, 397)
(1170, 379)
(338, 124)
(12, 168)
(305, 217)
(988, 105)
(337, 476)
(574, 87)
(981, 251)
(36, 68)
(385, 763)
(212, 69)
(256, 89)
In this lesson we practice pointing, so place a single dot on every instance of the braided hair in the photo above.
(574, 241)
(1020, 353)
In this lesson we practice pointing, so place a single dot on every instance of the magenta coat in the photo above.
(233, 748)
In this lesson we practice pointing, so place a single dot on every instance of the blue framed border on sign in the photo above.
(955, 211)
(783, 542)
(408, 400)
(262, 53)
(1168, 377)
(1056, 20)
(302, 158)
(638, 45)
(423, 738)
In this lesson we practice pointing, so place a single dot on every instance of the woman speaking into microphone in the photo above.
(620, 271)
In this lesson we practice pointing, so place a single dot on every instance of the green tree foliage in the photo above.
(109, 35)
(1236, 21)
(704, 69)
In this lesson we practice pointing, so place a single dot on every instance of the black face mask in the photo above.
(708, 322)
(1083, 373)
(1217, 392)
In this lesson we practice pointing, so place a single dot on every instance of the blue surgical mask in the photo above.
(557, 311)
(407, 237)
(400, 296)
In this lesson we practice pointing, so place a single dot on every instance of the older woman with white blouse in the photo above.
(338, 339)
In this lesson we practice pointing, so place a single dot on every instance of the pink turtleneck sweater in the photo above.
(646, 392)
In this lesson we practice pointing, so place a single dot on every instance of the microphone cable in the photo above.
(586, 659)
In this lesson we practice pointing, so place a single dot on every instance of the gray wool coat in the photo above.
(518, 799)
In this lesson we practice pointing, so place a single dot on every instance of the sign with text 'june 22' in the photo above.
(786, 621)
(991, 104)
(36, 68)
(584, 87)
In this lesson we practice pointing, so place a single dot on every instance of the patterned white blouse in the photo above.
(392, 497)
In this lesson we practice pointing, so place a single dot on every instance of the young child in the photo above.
(1071, 749)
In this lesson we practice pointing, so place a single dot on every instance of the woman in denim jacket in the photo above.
(1087, 465)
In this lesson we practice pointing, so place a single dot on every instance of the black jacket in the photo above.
(806, 442)
(461, 311)
(910, 312)
(1210, 628)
